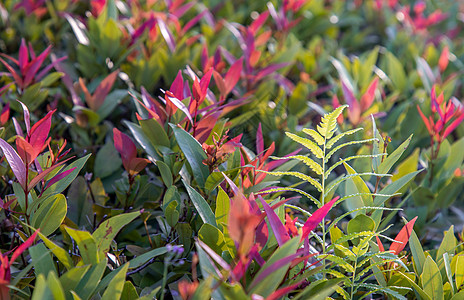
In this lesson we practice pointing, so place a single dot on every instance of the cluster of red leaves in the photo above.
(28, 73)
(450, 115)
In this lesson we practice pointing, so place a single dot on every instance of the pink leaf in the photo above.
(258, 22)
(59, 176)
(16, 164)
(177, 86)
(354, 111)
(283, 291)
(23, 58)
(17, 127)
(369, 95)
(102, 90)
(317, 217)
(193, 21)
(283, 262)
(278, 228)
(34, 66)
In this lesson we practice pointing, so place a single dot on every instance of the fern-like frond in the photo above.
(351, 236)
(377, 288)
(312, 146)
(315, 135)
(288, 189)
(299, 175)
(347, 144)
(306, 160)
(329, 122)
(327, 173)
(334, 184)
(339, 136)
(340, 262)
(339, 218)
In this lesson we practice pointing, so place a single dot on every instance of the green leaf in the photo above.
(55, 286)
(171, 213)
(431, 280)
(222, 208)
(50, 79)
(396, 72)
(360, 223)
(87, 285)
(266, 286)
(193, 153)
(65, 182)
(106, 154)
(41, 290)
(417, 288)
(202, 207)
(449, 274)
(87, 245)
(129, 292)
(417, 252)
(448, 243)
(212, 237)
(59, 252)
(408, 165)
(155, 133)
(143, 258)
(71, 279)
(116, 286)
(43, 264)
(459, 271)
(360, 186)
(50, 214)
(394, 187)
(143, 140)
(166, 174)
(391, 159)
(108, 230)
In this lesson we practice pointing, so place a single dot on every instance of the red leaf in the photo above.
(233, 75)
(23, 247)
(317, 217)
(16, 164)
(39, 132)
(426, 121)
(102, 90)
(283, 291)
(258, 22)
(444, 59)
(137, 164)
(453, 126)
(5, 114)
(26, 151)
(125, 146)
(402, 237)
(369, 95)
(379, 243)
(278, 228)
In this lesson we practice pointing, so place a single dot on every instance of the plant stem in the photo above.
(165, 279)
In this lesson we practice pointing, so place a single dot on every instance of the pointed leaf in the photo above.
(278, 228)
(317, 217)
